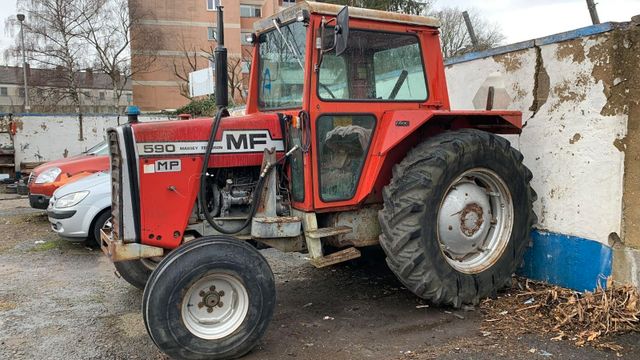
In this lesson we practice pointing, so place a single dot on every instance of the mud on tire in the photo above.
(412, 202)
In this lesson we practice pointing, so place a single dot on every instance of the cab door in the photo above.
(381, 70)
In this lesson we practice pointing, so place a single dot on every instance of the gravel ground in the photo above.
(60, 300)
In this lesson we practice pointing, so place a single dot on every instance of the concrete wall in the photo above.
(42, 138)
(574, 90)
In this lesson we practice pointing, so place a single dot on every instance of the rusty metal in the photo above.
(266, 224)
(471, 219)
(337, 257)
(211, 299)
(363, 222)
(326, 232)
(117, 250)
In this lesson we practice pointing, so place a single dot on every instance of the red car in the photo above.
(46, 178)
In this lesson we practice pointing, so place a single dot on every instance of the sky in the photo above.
(519, 20)
(522, 20)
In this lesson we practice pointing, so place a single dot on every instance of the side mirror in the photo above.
(342, 31)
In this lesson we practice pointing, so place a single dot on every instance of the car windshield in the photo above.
(98, 149)
(282, 67)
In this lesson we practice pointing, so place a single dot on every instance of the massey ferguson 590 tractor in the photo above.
(348, 141)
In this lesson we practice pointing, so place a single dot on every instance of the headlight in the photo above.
(48, 176)
(70, 200)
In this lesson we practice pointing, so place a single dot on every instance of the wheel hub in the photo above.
(463, 220)
(215, 306)
(475, 220)
(211, 299)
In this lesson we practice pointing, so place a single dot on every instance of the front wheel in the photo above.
(457, 217)
(137, 272)
(211, 298)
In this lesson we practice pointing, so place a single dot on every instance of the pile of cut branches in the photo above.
(566, 314)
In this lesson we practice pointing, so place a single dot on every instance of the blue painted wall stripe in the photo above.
(568, 261)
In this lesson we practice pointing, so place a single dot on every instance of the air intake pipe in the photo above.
(222, 87)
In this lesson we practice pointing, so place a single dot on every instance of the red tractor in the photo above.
(348, 141)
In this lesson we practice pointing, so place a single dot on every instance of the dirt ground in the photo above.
(60, 300)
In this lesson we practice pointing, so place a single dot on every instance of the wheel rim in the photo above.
(215, 306)
(107, 226)
(475, 220)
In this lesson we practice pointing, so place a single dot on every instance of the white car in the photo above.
(78, 210)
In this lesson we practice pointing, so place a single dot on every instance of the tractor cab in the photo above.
(338, 71)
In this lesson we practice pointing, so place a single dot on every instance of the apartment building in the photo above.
(187, 37)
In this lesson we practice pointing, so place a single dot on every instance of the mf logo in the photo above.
(168, 165)
(245, 141)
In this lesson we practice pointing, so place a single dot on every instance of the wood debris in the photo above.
(584, 318)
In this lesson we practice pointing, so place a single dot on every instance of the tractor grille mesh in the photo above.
(116, 183)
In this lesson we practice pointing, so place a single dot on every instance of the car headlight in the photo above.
(70, 200)
(48, 176)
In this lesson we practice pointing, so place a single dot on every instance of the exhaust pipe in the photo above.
(222, 87)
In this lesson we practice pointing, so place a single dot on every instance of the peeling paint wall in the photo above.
(51, 137)
(567, 142)
(578, 104)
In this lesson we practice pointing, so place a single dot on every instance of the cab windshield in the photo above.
(281, 64)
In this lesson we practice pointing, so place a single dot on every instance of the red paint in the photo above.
(165, 212)
(72, 168)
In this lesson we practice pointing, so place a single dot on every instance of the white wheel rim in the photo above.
(215, 306)
(475, 220)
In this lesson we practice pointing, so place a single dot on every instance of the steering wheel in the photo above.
(328, 90)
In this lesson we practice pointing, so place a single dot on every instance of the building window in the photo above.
(211, 5)
(243, 38)
(288, 2)
(212, 33)
(102, 95)
(249, 11)
(3, 91)
(21, 92)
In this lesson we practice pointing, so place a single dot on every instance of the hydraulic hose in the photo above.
(203, 181)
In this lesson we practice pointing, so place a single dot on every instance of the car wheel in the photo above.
(102, 221)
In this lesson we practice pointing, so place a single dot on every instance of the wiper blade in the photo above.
(291, 47)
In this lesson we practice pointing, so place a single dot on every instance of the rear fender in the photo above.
(400, 131)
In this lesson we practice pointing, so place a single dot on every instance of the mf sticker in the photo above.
(161, 166)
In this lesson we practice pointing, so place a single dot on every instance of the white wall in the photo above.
(568, 144)
(51, 137)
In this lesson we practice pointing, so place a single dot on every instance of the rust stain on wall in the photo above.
(510, 61)
(576, 137)
(571, 49)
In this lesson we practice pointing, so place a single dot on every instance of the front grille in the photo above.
(116, 184)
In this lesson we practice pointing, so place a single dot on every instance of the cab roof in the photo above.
(290, 13)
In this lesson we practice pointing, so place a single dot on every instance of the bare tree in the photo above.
(54, 39)
(454, 37)
(116, 25)
(191, 60)
(418, 7)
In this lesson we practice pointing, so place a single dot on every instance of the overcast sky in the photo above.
(519, 19)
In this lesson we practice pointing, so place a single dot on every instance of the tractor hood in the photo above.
(247, 135)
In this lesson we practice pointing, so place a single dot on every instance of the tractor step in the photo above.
(326, 232)
(337, 257)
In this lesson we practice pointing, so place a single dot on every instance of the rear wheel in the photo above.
(211, 298)
(457, 217)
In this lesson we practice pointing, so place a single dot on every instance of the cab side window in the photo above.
(377, 66)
